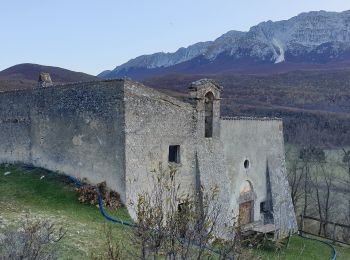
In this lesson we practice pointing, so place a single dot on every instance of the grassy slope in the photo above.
(300, 248)
(54, 198)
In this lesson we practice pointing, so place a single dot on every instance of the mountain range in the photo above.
(298, 69)
(310, 40)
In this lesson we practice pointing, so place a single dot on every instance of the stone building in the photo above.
(118, 131)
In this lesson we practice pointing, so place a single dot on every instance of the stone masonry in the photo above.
(118, 131)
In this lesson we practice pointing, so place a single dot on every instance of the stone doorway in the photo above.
(246, 212)
(246, 203)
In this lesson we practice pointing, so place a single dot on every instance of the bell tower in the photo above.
(206, 93)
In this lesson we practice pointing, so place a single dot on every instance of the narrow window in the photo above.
(262, 207)
(208, 106)
(246, 164)
(174, 153)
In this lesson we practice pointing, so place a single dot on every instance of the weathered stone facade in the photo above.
(118, 131)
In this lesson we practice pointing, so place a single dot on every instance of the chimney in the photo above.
(44, 80)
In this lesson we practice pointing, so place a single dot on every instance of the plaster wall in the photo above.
(260, 141)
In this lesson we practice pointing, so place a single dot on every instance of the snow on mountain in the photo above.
(305, 37)
(279, 53)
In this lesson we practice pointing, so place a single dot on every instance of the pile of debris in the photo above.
(111, 199)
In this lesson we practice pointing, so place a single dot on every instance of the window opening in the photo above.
(174, 154)
(209, 98)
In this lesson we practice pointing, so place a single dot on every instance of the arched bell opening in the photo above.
(208, 107)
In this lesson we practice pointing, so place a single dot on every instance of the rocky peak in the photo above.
(307, 36)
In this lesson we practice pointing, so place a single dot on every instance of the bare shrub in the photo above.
(176, 225)
(111, 250)
(35, 239)
(111, 199)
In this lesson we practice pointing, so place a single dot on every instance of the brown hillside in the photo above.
(26, 75)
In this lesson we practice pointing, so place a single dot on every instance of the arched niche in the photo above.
(208, 108)
(246, 187)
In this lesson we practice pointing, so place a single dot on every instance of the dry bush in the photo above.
(111, 248)
(35, 239)
(173, 225)
(88, 195)
(111, 199)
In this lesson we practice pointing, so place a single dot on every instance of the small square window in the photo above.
(174, 153)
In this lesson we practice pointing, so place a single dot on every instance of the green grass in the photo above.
(54, 198)
(300, 248)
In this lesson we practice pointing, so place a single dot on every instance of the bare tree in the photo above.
(309, 156)
(346, 217)
(177, 225)
(346, 163)
(323, 184)
(295, 177)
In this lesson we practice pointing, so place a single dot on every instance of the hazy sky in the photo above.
(94, 35)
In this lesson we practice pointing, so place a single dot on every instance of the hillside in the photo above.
(47, 196)
(26, 75)
(315, 105)
(308, 40)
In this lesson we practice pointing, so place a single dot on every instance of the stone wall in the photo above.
(154, 121)
(260, 141)
(77, 129)
(211, 159)
(15, 126)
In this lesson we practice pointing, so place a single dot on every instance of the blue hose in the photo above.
(78, 183)
(334, 256)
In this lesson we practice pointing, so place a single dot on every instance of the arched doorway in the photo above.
(246, 203)
(208, 107)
